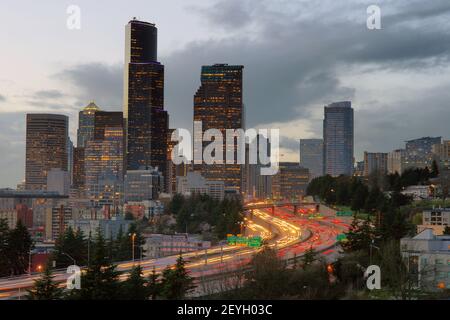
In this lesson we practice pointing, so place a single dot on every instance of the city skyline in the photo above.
(361, 81)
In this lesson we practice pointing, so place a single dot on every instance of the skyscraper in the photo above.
(218, 105)
(104, 160)
(311, 156)
(145, 117)
(290, 181)
(375, 162)
(338, 139)
(46, 148)
(85, 130)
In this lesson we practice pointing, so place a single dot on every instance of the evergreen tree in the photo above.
(447, 230)
(359, 236)
(5, 268)
(434, 169)
(134, 288)
(309, 257)
(101, 280)
(45, 288)
(154, 285)
(19, 247)
(176, 283)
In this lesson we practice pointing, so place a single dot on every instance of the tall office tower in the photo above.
(338, 139)
(46, 148)
(70, 158)
(104, 160)
(78, 175)
(256, 185)
(375, 162)
(311, 156)
(85, 130)
(395, 161)
(290, 181)
(146, 119)
(218, 105)
(418, 152)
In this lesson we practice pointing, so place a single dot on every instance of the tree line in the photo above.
(194, 212)
(15, 247)
(101, 281)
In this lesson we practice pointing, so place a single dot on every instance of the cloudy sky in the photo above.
(298, 55)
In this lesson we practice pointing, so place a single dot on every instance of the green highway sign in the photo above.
(344, 213)
(239, 240)
(341, 237)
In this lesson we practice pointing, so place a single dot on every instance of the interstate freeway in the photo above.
(291, 234)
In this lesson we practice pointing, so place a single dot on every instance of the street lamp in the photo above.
(67, 255)
(133, 237)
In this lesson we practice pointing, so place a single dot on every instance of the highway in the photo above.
(290, 234)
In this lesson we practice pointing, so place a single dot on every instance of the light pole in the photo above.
(74, 262)
(371, 245)
(133, 237)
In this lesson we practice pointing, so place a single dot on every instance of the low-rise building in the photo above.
(195, 183)
(427, 258)
(417, 192)
(436, 219)
(108, 227)
(161, 245)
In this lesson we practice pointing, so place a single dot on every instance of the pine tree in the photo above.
(5, 268)
(135, 287)
(45, 288)
(359, 236)
(309, 257)
(19, 247)
(154, 285)
(176, 283)
(101, 280)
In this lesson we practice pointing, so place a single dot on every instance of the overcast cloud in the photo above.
(297, 57)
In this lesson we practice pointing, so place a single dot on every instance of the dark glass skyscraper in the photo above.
(338, 139)
(218, 105)
(145, 117)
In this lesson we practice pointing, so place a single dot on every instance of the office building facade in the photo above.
(86, 118)
(375, 162)
(338, 139)
(218, 104)
(46, 148)
(311, 156)
(418, 152)
(146, 119)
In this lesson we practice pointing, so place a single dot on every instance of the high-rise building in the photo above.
(418, 152)
(104, 161)
(146, 119)
(78, 175)
(395, 161)
(142, 185)
(338, 139)
(311, 156)
(218, 104)
(86, 118)
(290, 181)
(58, 181)
(375, 162)
(46, 148)
(70, 158)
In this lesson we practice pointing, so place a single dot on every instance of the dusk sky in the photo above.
(297, 56)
